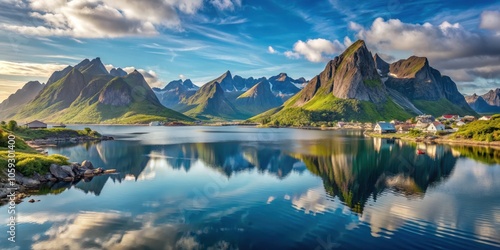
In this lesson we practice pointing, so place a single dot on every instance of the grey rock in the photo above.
(87, 164)
(26, 181)
(61, 172)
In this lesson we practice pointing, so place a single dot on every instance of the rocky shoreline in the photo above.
(66, 173)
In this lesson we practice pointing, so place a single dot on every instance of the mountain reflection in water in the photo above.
(250, 188)
(353, 171)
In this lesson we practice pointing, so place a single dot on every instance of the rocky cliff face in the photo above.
(352, 75)
(381, 65)
(356, 76)
(416, 80)
(116, 93)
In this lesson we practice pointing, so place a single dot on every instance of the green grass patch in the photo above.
(29, 163)
(481, 130)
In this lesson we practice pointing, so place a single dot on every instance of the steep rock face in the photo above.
(352, 75)
(258, 99)
(492, 97)
(356, 76)
(116, 93)
(21, 97)
(57, 75)
(416, 80)
(117, 72)
(381, 65)
(225, 81)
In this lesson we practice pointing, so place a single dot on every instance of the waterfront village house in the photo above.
(450, 117)
(485, 118)
(36, 124)
(435, 127)
(404, 128)
(460, 123)
(384, 127)
(341, 124)
(421, 125)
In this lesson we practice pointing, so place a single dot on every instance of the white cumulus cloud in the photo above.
(271, 50)
(104, 18)
(315, 50)
(226, 4)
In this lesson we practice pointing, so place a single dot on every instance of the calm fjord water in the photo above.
(251, 188)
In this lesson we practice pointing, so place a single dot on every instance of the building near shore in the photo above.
(384, 127)
(435, 127)
(36, 124)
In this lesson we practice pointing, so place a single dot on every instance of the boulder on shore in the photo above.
(87, 164)
(61, 172)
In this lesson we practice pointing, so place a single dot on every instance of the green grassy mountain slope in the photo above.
(98, 97)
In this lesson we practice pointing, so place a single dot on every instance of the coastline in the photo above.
(436, 139)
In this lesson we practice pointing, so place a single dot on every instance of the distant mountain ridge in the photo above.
(487, 103)
(14, 102)
(236, 103)
(88, 93)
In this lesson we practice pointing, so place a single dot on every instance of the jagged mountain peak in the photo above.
(82, 64)
(117, 72)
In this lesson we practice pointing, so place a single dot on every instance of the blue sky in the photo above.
(196, 39)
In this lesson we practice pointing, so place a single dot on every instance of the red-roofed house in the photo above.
(450, 117)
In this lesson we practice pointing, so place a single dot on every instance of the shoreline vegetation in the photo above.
(34, 169)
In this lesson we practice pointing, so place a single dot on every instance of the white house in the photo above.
(36, 124)
(384, 127)
(435, 127)
(485, 118)
(460, 123)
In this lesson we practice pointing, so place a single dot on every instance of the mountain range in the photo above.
(362, 87)
(88, 93)
(355, 85)
(487, 103)
(227, 96)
